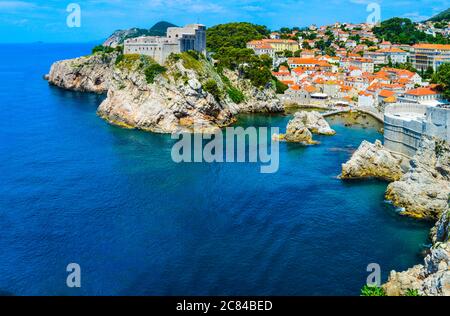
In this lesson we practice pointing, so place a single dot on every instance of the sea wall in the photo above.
(438, 122)
(406, 123)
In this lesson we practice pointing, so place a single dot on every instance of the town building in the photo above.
(424, 56)
(278, 45)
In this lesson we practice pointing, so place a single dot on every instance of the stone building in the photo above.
(178, 40)
(406, 123)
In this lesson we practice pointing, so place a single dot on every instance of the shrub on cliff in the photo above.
(102, 49)
(280, 87)
(236, 95)
(152, 71)
(372, 291)
(410, 292)
(211, 87)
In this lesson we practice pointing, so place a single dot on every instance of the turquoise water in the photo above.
(75, 189)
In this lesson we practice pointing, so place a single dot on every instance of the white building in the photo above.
(178, 40)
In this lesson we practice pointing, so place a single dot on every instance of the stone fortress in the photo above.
(177, 40)
(406, 123)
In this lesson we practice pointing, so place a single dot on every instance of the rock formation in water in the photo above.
(431, 278)
(424, 190)
(373, 161)
(303, 125)
(187, 94)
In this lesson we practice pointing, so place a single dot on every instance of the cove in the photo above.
(76, 189)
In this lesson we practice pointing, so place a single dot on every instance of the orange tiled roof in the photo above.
(421, 92)
(386, 93)
(432, 46)
(303, 61)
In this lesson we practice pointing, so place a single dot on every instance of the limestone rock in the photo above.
(304, 124)
(425, 189)
(429, 279)
(373, 161)
(175, 101)
(298, 134)
(313, 121)
(87, 74)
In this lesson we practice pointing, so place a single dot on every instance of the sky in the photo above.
(46, 21)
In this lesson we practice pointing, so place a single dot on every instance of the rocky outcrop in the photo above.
(256, 99)
(303, 125)
(174, 100)
(88, 74)
(373, 161)
(433, 276)
(423, 192)
(429, 279)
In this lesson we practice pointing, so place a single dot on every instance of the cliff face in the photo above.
(189, 94)
(433, 276)
(87, 74)
(425, 189)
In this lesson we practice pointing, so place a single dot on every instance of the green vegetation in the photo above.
(235, 95)
(443, 16)
(153, 70)
(146, 64)
(442, 78)
(372, 291)
(128, 61)
(404, 31)
(211, 86)
(280, 87)
(234, 35)
(411, 292)
(102, 49)
(228, 42)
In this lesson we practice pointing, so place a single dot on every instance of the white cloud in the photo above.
(16, 5)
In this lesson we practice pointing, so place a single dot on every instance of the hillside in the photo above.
(119, 36)
(160, 28)
(404, 31)
(234, 35)
(443, 16)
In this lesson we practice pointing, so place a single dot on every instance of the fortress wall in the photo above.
(406, 123)
(438, 123)
(402, 134)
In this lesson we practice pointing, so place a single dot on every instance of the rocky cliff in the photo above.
(187, 94)
(373, 161)
(88, 74)
(432, 278)
(424, 190)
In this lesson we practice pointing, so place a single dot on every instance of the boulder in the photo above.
(373, 161)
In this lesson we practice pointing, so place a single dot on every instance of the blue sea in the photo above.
(77, 190)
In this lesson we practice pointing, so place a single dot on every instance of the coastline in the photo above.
(351, 118)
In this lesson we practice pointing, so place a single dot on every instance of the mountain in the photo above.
(160, 28)
(443, 16)
(119, 36)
